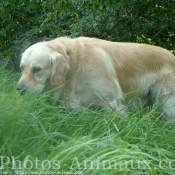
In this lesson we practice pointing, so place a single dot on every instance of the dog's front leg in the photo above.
(57, 94)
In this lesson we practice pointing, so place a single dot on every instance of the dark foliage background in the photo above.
(24, 22)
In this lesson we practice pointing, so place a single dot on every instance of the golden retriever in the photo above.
(90, 70)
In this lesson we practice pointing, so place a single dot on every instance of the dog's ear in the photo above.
(60, 68)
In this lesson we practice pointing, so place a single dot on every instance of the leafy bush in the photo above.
(25, 22)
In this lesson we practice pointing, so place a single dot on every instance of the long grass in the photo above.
(37, 137)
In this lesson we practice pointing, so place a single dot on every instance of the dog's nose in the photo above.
(22, 88)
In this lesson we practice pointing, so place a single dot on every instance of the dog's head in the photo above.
(43, 66)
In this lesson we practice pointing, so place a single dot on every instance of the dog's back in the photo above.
(134, 62)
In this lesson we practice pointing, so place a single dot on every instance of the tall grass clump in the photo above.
(38, 137)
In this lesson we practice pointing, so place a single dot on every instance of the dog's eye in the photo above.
(36, 69)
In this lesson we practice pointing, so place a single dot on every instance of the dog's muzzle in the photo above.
(22, 88)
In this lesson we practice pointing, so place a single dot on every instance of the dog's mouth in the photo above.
(22, 92)
(23, 89)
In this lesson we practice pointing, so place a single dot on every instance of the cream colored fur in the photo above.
(93, 70)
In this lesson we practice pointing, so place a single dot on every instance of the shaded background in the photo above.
(25, 22)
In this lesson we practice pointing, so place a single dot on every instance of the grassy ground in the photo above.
(39, 138)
